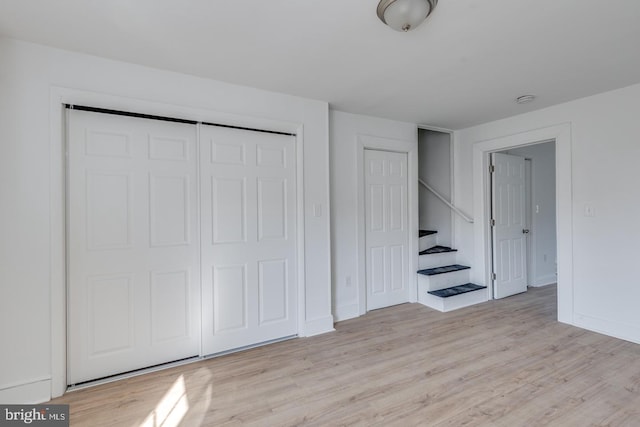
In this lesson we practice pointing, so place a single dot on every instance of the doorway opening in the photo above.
(523, 218)
(561, 134)
(435, 169)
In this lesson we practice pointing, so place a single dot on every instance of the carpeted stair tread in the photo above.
(456, 290)
(443, 269)
(422, 233)
(437, 250)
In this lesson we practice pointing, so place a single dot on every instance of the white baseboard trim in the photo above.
(346, 312)
(623, 331)
(542, 285)
(318, 326)
(549, 279)
(37, 391)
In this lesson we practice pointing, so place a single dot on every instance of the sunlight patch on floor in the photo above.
(171, 409)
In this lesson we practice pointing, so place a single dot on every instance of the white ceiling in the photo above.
(462, 67)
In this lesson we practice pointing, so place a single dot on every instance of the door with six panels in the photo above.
(133, 241)
(386, 230)
(248, 237)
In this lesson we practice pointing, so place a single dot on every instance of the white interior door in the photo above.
(509, 230)
(387, 234)
(133, 241)
(248, 216)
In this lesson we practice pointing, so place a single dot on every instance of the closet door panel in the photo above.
(249, 246)
(133, 244)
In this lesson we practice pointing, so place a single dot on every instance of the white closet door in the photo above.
(248, 217)
(387, 234)
(133, 238)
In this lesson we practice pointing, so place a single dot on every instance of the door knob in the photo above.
(525, 231)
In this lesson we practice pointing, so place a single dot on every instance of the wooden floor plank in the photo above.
(502, 363)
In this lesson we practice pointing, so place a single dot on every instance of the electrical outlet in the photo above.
(589, 210)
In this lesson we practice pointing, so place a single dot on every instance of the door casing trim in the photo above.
(59, 97)
(561, 134)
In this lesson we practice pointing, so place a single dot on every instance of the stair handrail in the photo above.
(446, 202)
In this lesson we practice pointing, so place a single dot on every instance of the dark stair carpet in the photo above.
(442, 270)
(437, 250)
(422, 233)
(456, 290)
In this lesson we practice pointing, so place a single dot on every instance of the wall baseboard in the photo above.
(620, 330)
(319, 326)
(346, 312)
(38, 391)
(549, 279)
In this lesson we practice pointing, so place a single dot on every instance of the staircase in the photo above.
(442, 283)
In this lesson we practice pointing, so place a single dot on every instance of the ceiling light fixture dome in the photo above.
(405, 15)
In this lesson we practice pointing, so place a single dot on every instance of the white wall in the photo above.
(33, 81)
(604, 155)
(345, 220)
(543, 211)
(434, 167)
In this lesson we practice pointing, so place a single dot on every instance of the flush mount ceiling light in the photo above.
(405, 15)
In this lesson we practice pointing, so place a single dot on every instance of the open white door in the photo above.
(248, 216)
(386, 236)
(509, 229)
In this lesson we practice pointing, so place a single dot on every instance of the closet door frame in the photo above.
(59, 98)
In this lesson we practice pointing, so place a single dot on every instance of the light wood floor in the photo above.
(503, 363)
